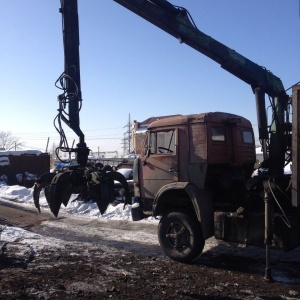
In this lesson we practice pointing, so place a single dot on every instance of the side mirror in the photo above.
(148, 152)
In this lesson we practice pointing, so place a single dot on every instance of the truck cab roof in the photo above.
(218, 117)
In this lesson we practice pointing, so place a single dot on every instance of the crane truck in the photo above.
(195, 171)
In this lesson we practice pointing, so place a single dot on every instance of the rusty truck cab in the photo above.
(211, 151)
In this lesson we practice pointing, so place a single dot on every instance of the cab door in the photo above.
(160, 166)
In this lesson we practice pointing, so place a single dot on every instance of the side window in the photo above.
(162, 142)
(218, 134)
(165, 142)
(247, 137)
(149, 143)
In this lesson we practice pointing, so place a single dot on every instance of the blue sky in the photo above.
(129, 66)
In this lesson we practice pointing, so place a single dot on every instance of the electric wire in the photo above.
(292, 86)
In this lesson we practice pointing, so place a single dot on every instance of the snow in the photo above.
(24, 196)
(20, 152)
(80, 209)
(4, 160)
(16, 193)
(14, 234)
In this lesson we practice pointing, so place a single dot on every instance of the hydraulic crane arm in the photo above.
(87, 181)
(72, 65)
(70, 79)
(177, 22)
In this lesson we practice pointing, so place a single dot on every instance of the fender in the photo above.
(200, 199)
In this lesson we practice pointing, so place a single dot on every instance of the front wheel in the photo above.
(180, 236)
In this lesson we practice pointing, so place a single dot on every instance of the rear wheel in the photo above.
(180, 236)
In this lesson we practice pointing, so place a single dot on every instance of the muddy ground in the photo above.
(69, 258)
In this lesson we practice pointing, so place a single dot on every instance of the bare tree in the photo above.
(9, 142)
(52, 150)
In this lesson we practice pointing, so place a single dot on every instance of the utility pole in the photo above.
(127, 137)
(47, 145)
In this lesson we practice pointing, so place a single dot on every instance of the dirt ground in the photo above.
(86, 264)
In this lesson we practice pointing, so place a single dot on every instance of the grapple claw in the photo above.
(101, 189)
(59, 187)
(60, 191)
(42, 182)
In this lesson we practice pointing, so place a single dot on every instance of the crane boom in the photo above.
(177, 22)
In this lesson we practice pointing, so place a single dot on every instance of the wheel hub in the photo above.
(178, 236)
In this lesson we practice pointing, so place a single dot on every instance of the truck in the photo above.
(192, 166)
(196, 171)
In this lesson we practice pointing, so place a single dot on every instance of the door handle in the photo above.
(173, 170)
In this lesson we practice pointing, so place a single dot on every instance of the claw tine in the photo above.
(105, 198)
(119, 177)
(43, 181)
(36, 196)
(59, 192)
(100, 194)
(101, 188)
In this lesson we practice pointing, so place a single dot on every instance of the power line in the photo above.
(67, 131)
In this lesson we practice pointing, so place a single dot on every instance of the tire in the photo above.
(180, 236)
